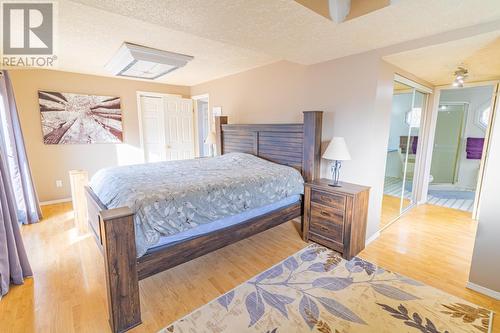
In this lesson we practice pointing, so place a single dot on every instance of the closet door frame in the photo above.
(423, 137)
(422, 143)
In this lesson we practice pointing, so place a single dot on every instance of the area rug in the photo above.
(315, 290)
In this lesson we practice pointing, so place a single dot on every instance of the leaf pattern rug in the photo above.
(315, 290)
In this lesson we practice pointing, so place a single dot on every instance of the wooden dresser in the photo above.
(336, 216)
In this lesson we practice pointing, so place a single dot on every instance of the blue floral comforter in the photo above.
(171, 197)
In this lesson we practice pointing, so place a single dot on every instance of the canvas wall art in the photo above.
(73, 118)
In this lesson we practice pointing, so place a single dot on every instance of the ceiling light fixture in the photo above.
(460, 75)
(142, 62)
(339, 9)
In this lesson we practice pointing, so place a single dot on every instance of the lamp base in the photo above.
(335, 174)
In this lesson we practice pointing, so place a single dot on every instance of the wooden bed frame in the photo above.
(296, 145)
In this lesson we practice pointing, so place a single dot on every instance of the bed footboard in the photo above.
(167, 257)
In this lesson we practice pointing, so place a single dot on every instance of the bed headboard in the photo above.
(295, 145)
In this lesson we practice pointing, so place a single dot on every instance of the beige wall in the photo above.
(52, 162)
(354, 92)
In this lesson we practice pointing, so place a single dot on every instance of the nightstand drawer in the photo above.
(327, 222)
(325, 241)
(328, 199)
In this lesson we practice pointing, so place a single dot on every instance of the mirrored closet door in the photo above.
(406, 116)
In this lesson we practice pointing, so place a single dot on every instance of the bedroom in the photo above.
(270, 76)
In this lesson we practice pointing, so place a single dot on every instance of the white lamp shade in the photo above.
(337, 150)
(211, 139)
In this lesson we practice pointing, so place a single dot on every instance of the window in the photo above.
(413, 117)
(12, 163)
(484, 117)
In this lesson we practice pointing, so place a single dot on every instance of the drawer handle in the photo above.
(323, 228)
(325, 198)
(324, 213)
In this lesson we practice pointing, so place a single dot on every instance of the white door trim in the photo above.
(469, 84)
(495, 107)
(428, 134)
(195, 99)
(157, 94)
(413, 84)
(139, 94)
(202, 96)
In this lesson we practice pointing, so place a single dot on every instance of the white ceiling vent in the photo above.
(142, 62)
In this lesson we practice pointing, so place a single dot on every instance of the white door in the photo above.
(179, 129)
(167, 128)
(153, 131)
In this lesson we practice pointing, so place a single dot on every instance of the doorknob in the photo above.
(168, 146)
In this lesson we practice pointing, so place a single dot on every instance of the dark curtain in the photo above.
(18, 200)
(12, 145)
(14, 265)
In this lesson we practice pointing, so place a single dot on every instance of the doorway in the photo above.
(166, 127)
(462, 124)
(447, 140)
(402, 154)
(203, 124)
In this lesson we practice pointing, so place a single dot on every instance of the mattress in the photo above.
(224, 223)
(172, 197)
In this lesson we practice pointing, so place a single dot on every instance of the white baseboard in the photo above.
(372, 238)
(483, 290)
(51, 202)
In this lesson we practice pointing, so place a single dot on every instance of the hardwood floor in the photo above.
(390, 209)
(434, 245)
(431, 244)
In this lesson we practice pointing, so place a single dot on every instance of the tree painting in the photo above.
(73, 118)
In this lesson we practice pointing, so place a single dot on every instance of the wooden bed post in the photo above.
(219, 121)
(312, 144)
(120, 261)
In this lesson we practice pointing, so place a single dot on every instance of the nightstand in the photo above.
(336, 216)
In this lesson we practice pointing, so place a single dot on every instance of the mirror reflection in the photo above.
(406, 117)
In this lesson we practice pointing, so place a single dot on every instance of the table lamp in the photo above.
(336, 152)
(211, 140)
